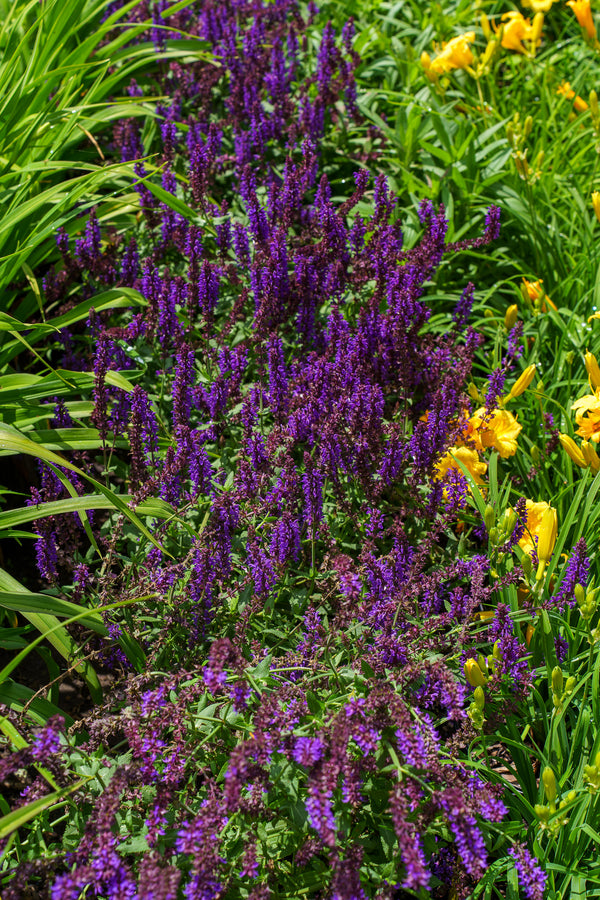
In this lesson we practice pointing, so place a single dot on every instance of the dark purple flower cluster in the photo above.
(286, 406)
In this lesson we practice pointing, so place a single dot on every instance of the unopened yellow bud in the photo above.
(485, 27)
(591, 457)
(547, 533)
(557, 680)
(479, 697)
(473, 674)
(522, 382)
(529, 634)
(592, 367)
(510, 316)
(572, 450)
(579, 594)
(570, 684)
(489, 517)
(593, 98)
(549, 782)
(536, 27)
(596, 203)
(426, 61)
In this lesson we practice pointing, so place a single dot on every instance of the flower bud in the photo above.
(596, 203)
(593, 98)
(485, 27)
(593, 370)
(547, 533)
(479, 697)
(489, 517)
(579, 594)
(473, 673)
(570, 684)
(510, 316)
(572, 450)
(536, 27)
(527, 126)
(591, 457)
(549, 782)
(522, 382)
(557, 680)
(529, 634)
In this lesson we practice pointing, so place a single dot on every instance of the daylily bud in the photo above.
(522, 382)
(549, 782)
(527, 126)
(591, 457)
(473, 674)
(536, 27)
(596, 203)
(572, 450)
(579, 593)
(570, 684)
(557, 680)
(489, 517)
(485, 26)
(479, 698)
(592, 368)
(593, 98)
(547, 533)
(510, 316)
(529, 634)
(546, 538)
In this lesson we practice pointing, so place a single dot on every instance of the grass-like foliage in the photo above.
(299, 405)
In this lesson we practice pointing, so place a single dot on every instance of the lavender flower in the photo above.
(531, 877)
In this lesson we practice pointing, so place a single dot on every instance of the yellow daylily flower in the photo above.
(538, 5)
(456, 54)
(565, 90)
(583, 14)
(587, 416)
(535, 292)
(593, 370)
(499, 430)
(515, 29)
(469, 458)
(535, 513)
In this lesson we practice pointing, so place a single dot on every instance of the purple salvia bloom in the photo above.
(102, 363)
(47, 741)
(130, 264)
(312, 489)
(469, 841)
(576, 572)
(463, 308)
(495, 388)
(308, 750)
(532, 877)
(183, 385)
(320, 813)
(278, 379)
